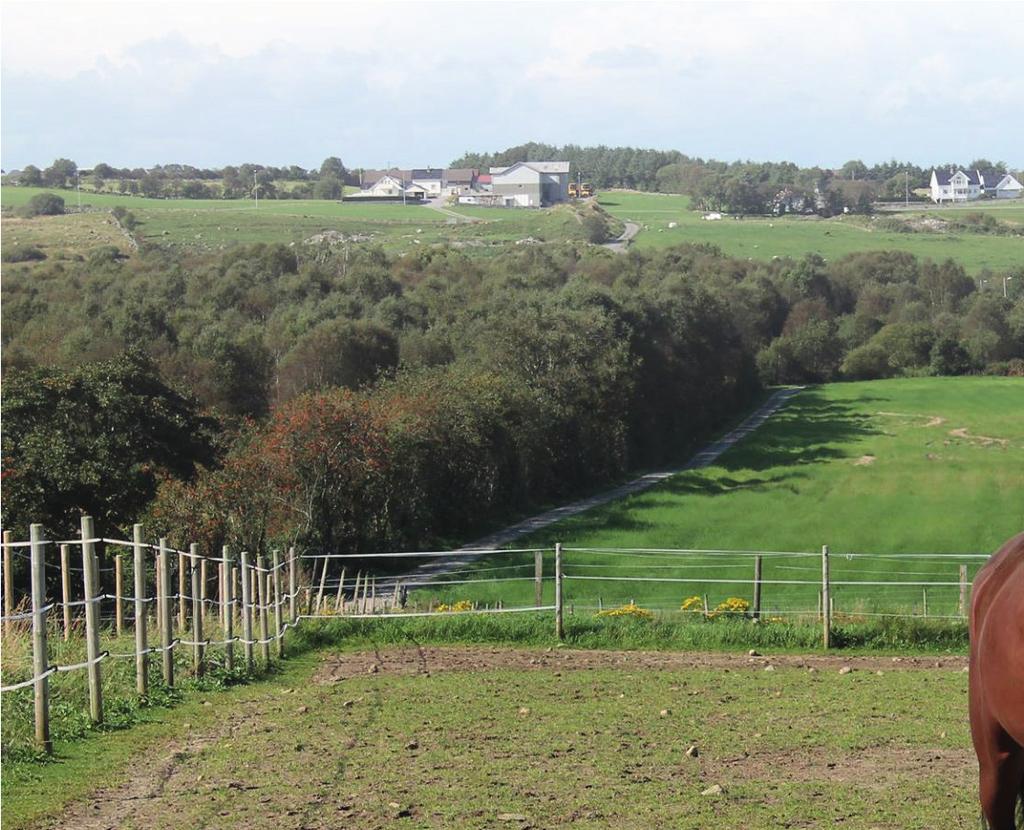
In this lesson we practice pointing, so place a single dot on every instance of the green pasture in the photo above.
(930, 467)
(216, 224)
(767, 238)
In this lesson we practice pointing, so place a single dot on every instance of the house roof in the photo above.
(372, 176)
(461, 174)
(942, 177)
(538, 166)
(993, 178)
(427, 173)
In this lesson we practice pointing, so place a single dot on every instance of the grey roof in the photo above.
(460, 174)
(943, 176)
(427, 173)
(539, 166)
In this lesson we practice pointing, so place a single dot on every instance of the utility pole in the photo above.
(256, 190)
(78, 187)
(906, 174)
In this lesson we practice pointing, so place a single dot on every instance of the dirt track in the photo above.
(429, 659)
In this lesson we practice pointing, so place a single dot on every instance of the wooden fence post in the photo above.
(247, 612)
(195, 566)
(261, 593)
(141, 658)
(227, 607)
(165, 611)
(9, 583)
(220, 595)
(559, 627)
(757, 587)
(39, 653)
(963, 590)
(92, 620)
(278, 634)
(182, 591)
(924, 601)
(538, 578)
(65, 587)
(204, 577)
(293, 586)
(826, 604)
(118, 595)
(157, 583)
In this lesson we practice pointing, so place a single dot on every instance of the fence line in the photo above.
(262, 595)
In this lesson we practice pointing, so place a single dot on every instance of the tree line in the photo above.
(357, 400)
(743, 187)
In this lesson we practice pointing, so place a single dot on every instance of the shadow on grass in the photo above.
(812, 429)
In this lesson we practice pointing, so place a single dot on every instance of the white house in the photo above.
(1002, 186)
(429, 179)
(385, 186)
(956, 186)
(968, 185)
(532, 183)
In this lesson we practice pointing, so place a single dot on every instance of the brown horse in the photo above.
(997, 683)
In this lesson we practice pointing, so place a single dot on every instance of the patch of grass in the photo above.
(940, 473)
(767, 238)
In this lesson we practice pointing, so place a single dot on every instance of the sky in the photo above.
(416, 84)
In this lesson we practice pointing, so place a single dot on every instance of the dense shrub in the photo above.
(43, 204)
(21, 253)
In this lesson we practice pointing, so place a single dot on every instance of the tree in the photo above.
(854, 170)
(60, 172)
(333, 167)
(94, 440)
(328, 187)
(31, 176)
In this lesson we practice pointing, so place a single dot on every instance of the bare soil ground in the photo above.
(242, 772)
(428, 659)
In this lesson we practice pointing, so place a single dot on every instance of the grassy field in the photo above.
(929, 466)
(475, 738)
(764, 238)
(216, 224)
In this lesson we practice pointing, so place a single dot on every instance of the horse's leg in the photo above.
(1002, 775)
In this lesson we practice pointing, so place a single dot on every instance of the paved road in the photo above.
(704, 458)
(621, 244)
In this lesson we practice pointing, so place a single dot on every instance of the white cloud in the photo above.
(815, 82)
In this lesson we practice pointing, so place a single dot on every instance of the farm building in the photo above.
(968, 185)
(1001, 185)
(532, 183)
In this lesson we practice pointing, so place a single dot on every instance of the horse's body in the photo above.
(997, 682)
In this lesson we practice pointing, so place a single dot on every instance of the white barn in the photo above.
(532, 183)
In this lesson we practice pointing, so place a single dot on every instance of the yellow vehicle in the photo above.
(574, 191)
(586, 190)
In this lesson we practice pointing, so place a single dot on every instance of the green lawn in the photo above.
(486, 738)
(909, 466)
(766, 238)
